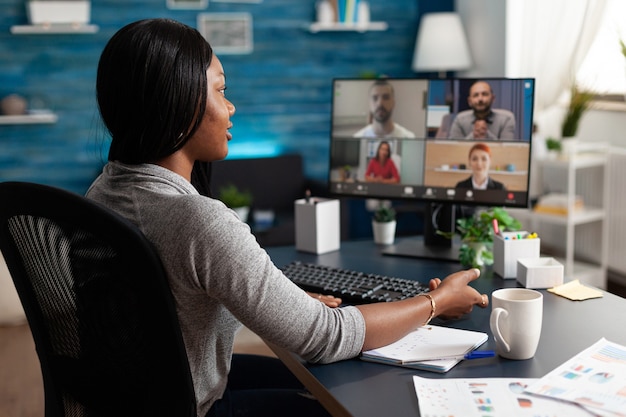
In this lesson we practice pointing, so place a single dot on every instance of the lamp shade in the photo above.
(441, 44)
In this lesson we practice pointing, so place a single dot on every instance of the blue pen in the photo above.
(477, 354)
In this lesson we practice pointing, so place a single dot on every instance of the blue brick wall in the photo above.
(281, 90)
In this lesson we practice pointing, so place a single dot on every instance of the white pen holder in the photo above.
(508, 247)
(317, 225)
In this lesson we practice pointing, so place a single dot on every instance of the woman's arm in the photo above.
(387, 322)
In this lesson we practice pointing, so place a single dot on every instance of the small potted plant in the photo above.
(553, 144)
(384, 225)
(579, 103)
(476, 234)
(236, 199)
(346, 173)
(553, 147)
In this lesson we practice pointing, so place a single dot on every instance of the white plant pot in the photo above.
(384, 233)
(479, 248)
(58, 12)
(243, 213)
(569, 145)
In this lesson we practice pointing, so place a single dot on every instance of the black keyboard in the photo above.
(352, 287)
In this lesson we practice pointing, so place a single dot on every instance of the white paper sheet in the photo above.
(494, 397)
(595, 378)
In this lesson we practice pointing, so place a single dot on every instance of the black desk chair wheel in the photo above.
(98, 304)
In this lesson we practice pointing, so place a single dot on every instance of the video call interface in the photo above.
(463, 141)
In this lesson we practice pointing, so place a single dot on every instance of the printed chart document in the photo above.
(494, 397)
(595, 379)
(430, 348)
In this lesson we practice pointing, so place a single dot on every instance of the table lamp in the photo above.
(441, 44)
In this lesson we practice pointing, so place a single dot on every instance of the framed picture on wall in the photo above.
(187, 4)
(228, 33)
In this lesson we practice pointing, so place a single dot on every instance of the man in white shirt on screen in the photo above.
(381, 103)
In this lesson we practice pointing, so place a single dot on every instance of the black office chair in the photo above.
(98, 304)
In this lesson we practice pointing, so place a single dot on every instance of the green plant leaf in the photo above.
(384, 214)
(233, 197)
(479, 228)
(580, 101)
(553, 144)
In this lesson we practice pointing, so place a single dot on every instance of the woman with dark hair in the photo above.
(161, 94)
(479, 159)
(381, 168)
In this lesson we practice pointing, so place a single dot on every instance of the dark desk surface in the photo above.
(358, 388)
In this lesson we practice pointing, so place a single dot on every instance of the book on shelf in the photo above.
(347, 11)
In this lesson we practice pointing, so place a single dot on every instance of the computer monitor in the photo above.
(441, 146)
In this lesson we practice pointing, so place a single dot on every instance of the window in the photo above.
(604, 68)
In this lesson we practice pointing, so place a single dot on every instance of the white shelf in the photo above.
(345, 27)
(589, 241)
(53, 29)
(577, 161)
(39, 117)
(582, 216)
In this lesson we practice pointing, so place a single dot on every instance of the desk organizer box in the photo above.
(508, 247)
(539, 273)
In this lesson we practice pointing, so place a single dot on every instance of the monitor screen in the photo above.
(429, 140)
(459, 141)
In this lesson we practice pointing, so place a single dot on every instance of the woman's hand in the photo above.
(480, 129)
(454, 297)
(329, 300)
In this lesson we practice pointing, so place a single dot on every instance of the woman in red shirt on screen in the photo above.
(381, 168)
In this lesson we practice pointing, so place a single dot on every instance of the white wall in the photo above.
(485, 25)
(604, 126)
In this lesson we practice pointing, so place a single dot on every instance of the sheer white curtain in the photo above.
(548, 40)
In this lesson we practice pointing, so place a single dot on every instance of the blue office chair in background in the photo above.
(98, 305)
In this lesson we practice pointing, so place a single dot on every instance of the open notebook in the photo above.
(429, 348)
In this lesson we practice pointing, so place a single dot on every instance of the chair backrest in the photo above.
(98, 304)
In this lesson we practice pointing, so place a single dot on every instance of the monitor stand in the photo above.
(437, 216)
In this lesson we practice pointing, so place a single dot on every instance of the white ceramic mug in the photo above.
(515, 322)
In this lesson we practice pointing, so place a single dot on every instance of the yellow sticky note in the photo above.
(574, 290)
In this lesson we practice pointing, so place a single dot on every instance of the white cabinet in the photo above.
(577, 236)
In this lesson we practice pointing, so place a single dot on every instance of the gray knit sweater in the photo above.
(220, 277)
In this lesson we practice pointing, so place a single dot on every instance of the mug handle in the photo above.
(494, 320)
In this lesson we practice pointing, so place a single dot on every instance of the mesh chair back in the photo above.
(98, 305)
